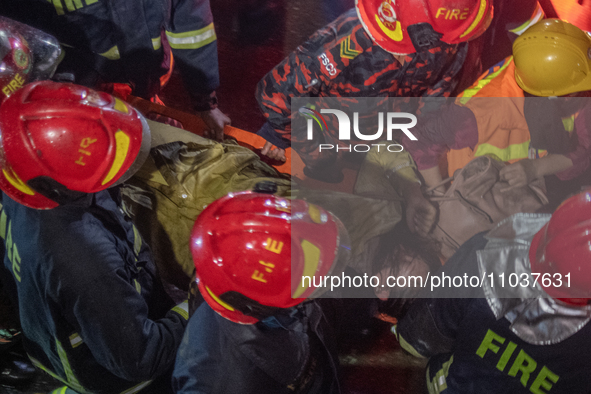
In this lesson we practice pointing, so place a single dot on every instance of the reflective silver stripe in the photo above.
(538, 16)
(75, 340)
(112, 54)
(192, 39)
(182, 309)
(157, 43)
(136, 388)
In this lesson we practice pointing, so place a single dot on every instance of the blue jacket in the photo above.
(93, 312)
(286, 354)
(471, 351)
(121, 41)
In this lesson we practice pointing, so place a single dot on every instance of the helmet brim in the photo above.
(232, 315)
(535, 250)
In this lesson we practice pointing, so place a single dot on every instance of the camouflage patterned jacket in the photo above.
(341, 60)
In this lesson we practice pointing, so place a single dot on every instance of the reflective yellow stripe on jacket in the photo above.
(537, 16)
(112, 54)
(71, 381)
(71, 5)
(484, 80)
(192, 39)
(439, 381)
(497, 104)
(73, 385)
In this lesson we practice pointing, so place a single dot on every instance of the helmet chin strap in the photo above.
(423, 36)
(54, 190)
(248, 306)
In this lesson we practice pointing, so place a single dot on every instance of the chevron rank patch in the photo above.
(347, 51)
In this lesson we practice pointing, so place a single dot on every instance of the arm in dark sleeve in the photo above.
(274, 137)
(191, 35)
(112, 316)
(199, 356)
(209, 362)
(297, 75)
(451, 127)
(431, 325)
(451, 75)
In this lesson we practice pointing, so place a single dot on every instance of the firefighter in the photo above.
(510, 21)
(93, 313)
(381, 48)
(543, 134)
(26, 55)
(260, 330)
(134, 42)
(526, 330)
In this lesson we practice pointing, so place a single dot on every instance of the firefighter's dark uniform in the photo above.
(293, 353)
(93, 313)
(122, 41)
(341, 60)
(493, 344)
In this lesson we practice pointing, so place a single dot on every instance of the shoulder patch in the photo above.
(348, 50)
(343, 48)
(328, 64)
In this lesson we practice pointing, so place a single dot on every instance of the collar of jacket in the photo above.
(535, 317)
(98, 198)
(267, 347)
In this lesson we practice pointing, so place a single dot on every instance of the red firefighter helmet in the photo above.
(59, 140)
(407, 26)
(251, 251)
(562, 247)
(15, 61)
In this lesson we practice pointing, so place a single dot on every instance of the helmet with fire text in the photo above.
(407, 26)
(561, 251)
(59, 141)
(553, 58)
(17, 62)
(26, 55)
(256, 254)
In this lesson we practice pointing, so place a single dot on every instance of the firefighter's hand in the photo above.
(273, 152)
(519, 174)
(420, 215)
(215, 120)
